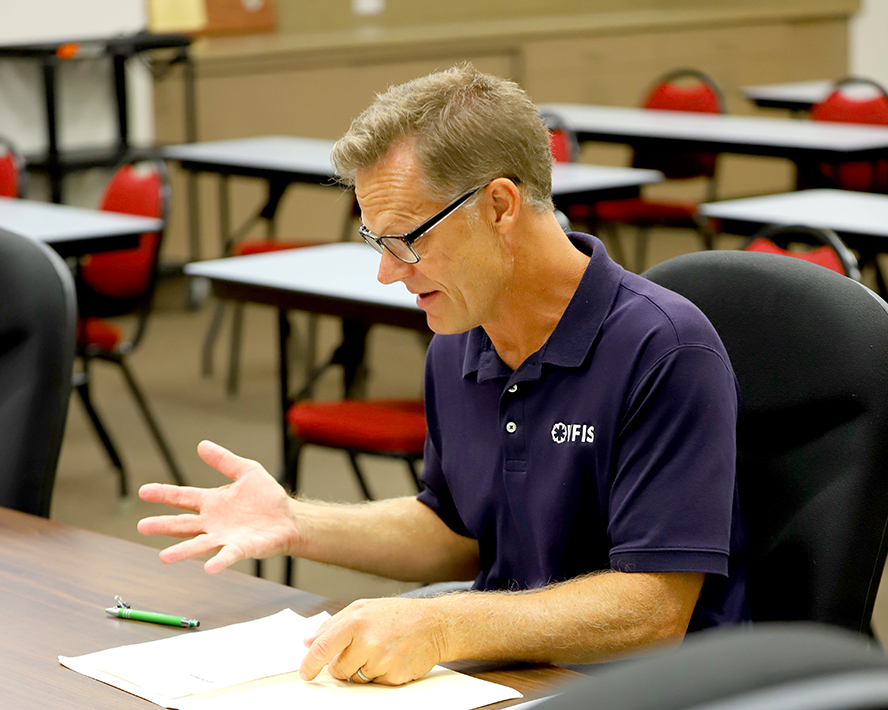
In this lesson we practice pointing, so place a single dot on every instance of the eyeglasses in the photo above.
(402, 246)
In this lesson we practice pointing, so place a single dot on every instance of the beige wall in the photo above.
(313, 16)
(313, 84)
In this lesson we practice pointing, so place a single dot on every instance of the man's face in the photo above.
(455, 281)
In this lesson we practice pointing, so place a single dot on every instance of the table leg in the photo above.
(53, 163)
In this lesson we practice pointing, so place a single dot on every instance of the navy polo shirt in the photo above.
(612, 447)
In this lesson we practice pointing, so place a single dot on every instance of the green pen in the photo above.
(123, 611)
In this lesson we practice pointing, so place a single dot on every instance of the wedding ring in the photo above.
(363, 677)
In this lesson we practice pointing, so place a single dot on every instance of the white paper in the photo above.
(255, 665)
(198, 662)
(440, 688)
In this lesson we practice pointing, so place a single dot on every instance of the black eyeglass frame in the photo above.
(383, 243)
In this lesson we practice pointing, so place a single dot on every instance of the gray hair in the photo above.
(467, 127)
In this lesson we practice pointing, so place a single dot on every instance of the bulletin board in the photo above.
(239, 16)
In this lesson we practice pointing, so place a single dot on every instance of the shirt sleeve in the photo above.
(435, 492)
(671, 500)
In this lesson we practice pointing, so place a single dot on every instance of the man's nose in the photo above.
(391, 268)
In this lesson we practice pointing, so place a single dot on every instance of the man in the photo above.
(579, 463)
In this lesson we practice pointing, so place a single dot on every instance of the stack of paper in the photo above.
(255, 664)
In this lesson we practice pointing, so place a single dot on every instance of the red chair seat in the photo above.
(823, 256)
(98, 333)
(642, 212)
(391, 426)
(263, 246)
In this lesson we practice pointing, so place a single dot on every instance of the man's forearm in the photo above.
(399, 538)
(587, 620)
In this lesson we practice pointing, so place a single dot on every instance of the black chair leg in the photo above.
(411, 466)
(289, 477)
(237, 327)
(359, 474)
(82, 388)
(152, 424)
(210, 339)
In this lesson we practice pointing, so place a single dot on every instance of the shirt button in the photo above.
(511, 427)
(513, 389)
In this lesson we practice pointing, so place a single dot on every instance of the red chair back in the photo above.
(824, 256)
(11, 170)
(820, 246)
(682, 90)
(855, 101)
(562, 140)
(9, 176)
(128, 273)
(559, 144)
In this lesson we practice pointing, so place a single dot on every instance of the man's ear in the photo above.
(504, 204)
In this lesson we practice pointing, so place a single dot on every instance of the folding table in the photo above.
(859, 218)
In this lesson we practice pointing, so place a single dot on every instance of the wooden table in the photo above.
(57, 580)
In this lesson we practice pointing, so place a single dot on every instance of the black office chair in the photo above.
(797, 666)
(810, 350)
(38, 322)
(815, 244)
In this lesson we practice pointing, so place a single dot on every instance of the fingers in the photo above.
(184, 525)
(226, 557)
(199, 546)
(182, 497)
(225, 462)
(324, 648)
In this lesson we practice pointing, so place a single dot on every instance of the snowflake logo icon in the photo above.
(559, 433)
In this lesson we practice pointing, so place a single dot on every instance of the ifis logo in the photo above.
(573, 433)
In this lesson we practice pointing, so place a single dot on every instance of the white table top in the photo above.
(276, 153)
(311, 156)
(59, 225)
(341, 270)
(839, 210)
(794, 92)
(750, 134)
(581, 177)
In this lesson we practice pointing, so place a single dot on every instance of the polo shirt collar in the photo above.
(573, 337)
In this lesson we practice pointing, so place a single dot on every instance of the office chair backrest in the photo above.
(787, 666)
(854, 100)
(824, 247)
(681, 90)
(12, 170)
(810, 351)
(37, 327)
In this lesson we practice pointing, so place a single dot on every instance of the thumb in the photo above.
(231, 465)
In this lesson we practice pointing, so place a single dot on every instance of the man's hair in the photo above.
(466, 128)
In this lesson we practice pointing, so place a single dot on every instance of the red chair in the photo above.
(391, 428)
(12, 170)
(118, 283)
(817, 245)
(679, 90)
(852, 100)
